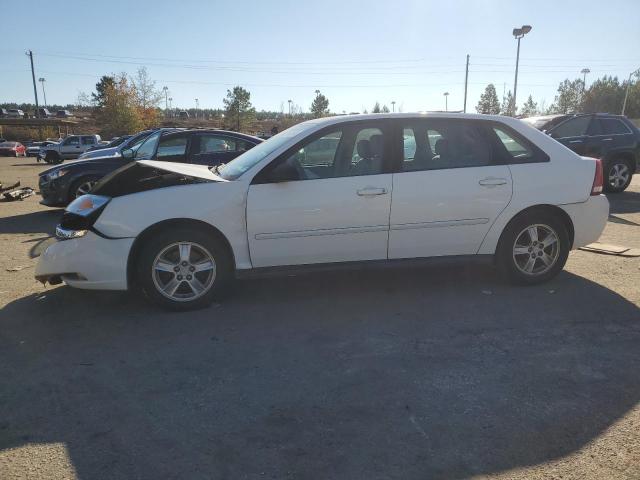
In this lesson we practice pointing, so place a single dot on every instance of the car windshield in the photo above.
(235, 168)
(7, 144)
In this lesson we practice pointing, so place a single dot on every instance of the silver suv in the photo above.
(70, 147)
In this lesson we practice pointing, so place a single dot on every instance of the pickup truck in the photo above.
(69, 148)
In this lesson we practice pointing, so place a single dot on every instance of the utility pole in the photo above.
(197, 107)
(626, 94)
(165, 89)
(466, 82)
(44, 93)
(289, 107)
(33, 77)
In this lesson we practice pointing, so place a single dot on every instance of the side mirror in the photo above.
(128, 154)
(284, 172)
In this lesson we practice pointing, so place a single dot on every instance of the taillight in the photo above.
(598, 178)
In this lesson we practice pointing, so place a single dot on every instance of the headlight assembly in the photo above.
(82, 213)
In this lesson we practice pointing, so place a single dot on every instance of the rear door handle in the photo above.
(492, 182)
(575, 141)
(371, 191)
(607, 139)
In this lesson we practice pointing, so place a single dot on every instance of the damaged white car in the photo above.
(341, 189)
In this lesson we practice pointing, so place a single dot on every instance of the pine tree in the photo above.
(320, 105)
(530, 108)
(489, 103)
(239, 110)
(376, 108)
(508, 107)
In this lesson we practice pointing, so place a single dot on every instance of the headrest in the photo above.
(377, 144)
(442, 146)
(364, 149)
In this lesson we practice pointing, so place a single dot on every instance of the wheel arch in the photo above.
(541, 209)
(170, 223)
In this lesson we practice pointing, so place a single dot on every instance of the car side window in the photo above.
(72, 141)
(613, 126)
(574, 127)
(445, 144)
(516, 148)
(172, 149)
(88, 140)
(317, 159)
(215, 144)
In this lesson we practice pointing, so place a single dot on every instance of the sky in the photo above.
(354, 52)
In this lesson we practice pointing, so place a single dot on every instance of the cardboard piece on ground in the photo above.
(632, 252)
(605, 248)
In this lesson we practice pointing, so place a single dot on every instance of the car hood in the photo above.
(78, 163)
(197, 171)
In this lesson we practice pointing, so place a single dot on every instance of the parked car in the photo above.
(34, 147)
(44, 113)
(612, 138)
(475, 185)
(15, 113)
(70, 147)
(12, 149)
(133, 142)
(64, 114)
(183, 114)
(4, 112)
(61, 185)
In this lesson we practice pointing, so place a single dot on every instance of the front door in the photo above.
(213, 148)
(572, 133)
(334, 206)
(70, 147)
(447, 192)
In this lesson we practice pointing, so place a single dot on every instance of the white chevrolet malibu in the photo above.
(340, 189)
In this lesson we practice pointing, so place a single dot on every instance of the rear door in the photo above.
(87, 141)
(447, 191)
(616, 135)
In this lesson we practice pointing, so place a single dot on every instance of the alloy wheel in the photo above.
(619, 175)
(183, 271)
(85, 187)
(536, 249)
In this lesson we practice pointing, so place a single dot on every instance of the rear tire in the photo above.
(617, 175)
(533, 248)
(184, 268)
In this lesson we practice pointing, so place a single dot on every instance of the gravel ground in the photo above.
(424, 372)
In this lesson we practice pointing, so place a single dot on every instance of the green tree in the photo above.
(606, 94)
(320, 105)
(569, 98)
(119, 113)
(489, 103)
(106, 82)
(530, 108)
(508, 107)
(385, 109)
(239, 111)
(376, 108)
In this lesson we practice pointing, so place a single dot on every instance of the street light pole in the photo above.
(393, 105)
(289, 107)
(446, 101)
(197, 107)
(165, 89)
(44, 94)
(626, 94)
(518, 33)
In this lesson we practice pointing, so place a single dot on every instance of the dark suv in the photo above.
(62, 184)
(612, 138)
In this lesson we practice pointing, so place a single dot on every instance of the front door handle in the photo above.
(371, 191)
(575, 141)
(607, 139)
(492, 182)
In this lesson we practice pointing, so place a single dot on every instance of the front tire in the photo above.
(617, 176)
(533, 248)
(52, 158)
(81, 187)
(184, 268)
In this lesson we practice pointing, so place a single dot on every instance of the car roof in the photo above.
(216, 130)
